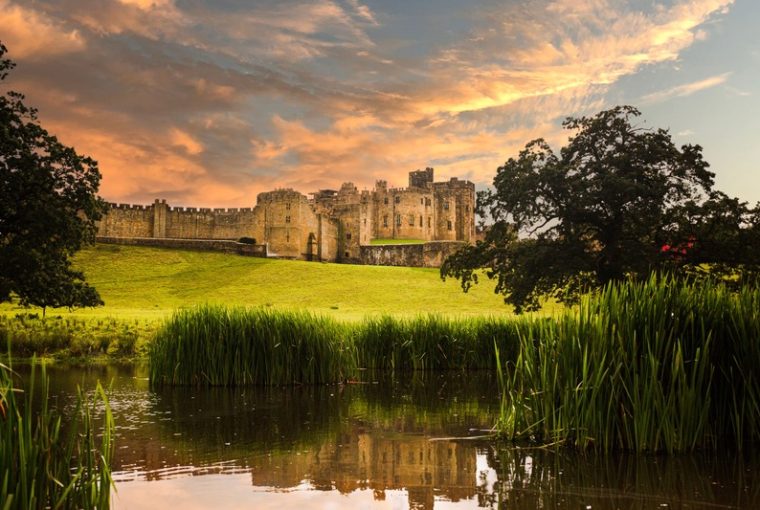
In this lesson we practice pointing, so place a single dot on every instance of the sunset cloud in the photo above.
(34, 35)
(181, 139)
(686, 89)
(208, 104)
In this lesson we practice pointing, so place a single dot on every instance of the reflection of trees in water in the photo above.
(537, 478)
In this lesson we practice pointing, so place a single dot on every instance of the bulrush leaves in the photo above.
(654, 366)
(45, 463)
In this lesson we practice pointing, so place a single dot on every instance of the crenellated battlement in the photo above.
(129, 207)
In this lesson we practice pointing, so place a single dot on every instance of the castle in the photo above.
(334, 226)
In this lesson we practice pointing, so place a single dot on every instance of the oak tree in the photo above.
(618, 201)
(48, 208)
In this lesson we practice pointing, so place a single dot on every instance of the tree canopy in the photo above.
(48, 208)
(618, 201)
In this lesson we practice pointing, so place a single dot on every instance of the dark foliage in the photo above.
(48, 208)
(619, 201)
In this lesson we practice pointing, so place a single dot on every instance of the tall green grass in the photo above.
(218, 346)
(213, 345)
(47, 464)
(654, 366)
(434, 342)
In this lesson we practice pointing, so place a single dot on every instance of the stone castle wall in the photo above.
(125, 220)
(430, 254)
(333, 226)
(161, 221)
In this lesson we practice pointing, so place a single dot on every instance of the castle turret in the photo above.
(421, 178)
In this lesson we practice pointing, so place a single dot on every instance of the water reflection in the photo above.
(383, 444)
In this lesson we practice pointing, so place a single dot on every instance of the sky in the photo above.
(207, 103)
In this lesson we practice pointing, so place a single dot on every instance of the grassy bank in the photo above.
(151, 283)
(143, 286)
(47, 464)
(75, 337)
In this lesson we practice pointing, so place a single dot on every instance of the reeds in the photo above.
(654, 366)
(217, 346)
(434, 342)
(47, 464)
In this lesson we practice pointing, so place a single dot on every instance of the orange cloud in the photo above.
(31, 35)
(183, 140)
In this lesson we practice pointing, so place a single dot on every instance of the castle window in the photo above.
(448, 223)
(365, 222)
(385, 200)
(287, 219)
(427, 201)
(398, 199)
(347, 254)
(422, 200)
(348, 236)
(446, 205)
(385, 221)
(287, 206)
(420, 221)
(398, 220)
(429, 222)
(411, 220)
(287, 237)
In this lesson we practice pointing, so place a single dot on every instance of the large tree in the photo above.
(48, 208)
(618, 201)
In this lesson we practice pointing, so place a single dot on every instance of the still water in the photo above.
(388, 443)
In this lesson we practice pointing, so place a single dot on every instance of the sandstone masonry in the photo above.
(333, 225)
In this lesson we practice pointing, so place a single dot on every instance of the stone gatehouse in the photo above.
(332, 225)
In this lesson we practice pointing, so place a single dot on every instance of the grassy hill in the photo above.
(150, 283)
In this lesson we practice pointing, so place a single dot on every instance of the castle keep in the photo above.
(333, 225)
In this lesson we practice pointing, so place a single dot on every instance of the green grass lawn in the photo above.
(382, 242)
(140, 283)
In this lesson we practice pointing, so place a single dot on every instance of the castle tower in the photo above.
(421, 178)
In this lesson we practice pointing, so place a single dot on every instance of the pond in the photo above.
(385, 443)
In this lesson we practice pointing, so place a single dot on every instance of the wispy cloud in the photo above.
(686, 89)
(209, 103)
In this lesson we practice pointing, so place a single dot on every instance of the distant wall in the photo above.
(436, 251)
(430, 254)
(159, 220)
(251, 250)
(203, 223)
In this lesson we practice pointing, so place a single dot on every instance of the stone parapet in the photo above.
(220, 245)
